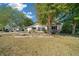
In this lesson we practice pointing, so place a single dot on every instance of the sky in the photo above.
(27, 8)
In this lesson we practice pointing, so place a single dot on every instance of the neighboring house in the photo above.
(56, 28)
(15, 29)
(7, 28)
(37, 27)
(59, 27)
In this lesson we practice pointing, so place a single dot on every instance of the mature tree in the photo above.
(58, 12)
(12, 17)
(48, 12)
(73, 16)
(5, 12)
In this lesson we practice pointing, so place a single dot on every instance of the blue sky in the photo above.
(27, 8)
(30, 11)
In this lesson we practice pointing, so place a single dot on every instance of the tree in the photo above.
(5, 12)
(12, 17)
(48, 12)
(75, 23)
(59, 12)
(20, 19)
(75, 14)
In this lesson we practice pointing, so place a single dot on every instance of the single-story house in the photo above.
(37, 27)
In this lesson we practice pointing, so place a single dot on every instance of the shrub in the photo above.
(67, 28)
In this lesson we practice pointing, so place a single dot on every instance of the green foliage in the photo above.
(43, 11)
(67, 27)
(5, 13)
(27, 22)
(13, 17)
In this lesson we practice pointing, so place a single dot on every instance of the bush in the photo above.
(45, 31)
(67, 28)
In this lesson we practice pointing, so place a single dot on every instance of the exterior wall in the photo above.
(56, 28)
(38, 27)
(59, 27)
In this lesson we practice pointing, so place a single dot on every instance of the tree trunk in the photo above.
(49, 23)
(74, 27)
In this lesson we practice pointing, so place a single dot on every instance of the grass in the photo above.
(18, 44)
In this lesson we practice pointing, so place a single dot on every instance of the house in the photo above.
(37, 27)
(55, 28)
(8, 28)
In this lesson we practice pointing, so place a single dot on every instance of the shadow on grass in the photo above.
(72, 35)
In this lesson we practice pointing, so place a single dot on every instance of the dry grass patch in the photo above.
(39, 45)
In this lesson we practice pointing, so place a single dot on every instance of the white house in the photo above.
(37, 27)
(55, 27)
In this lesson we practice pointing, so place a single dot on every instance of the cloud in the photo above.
(24, 12)
(27, 15)
(19, 6)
